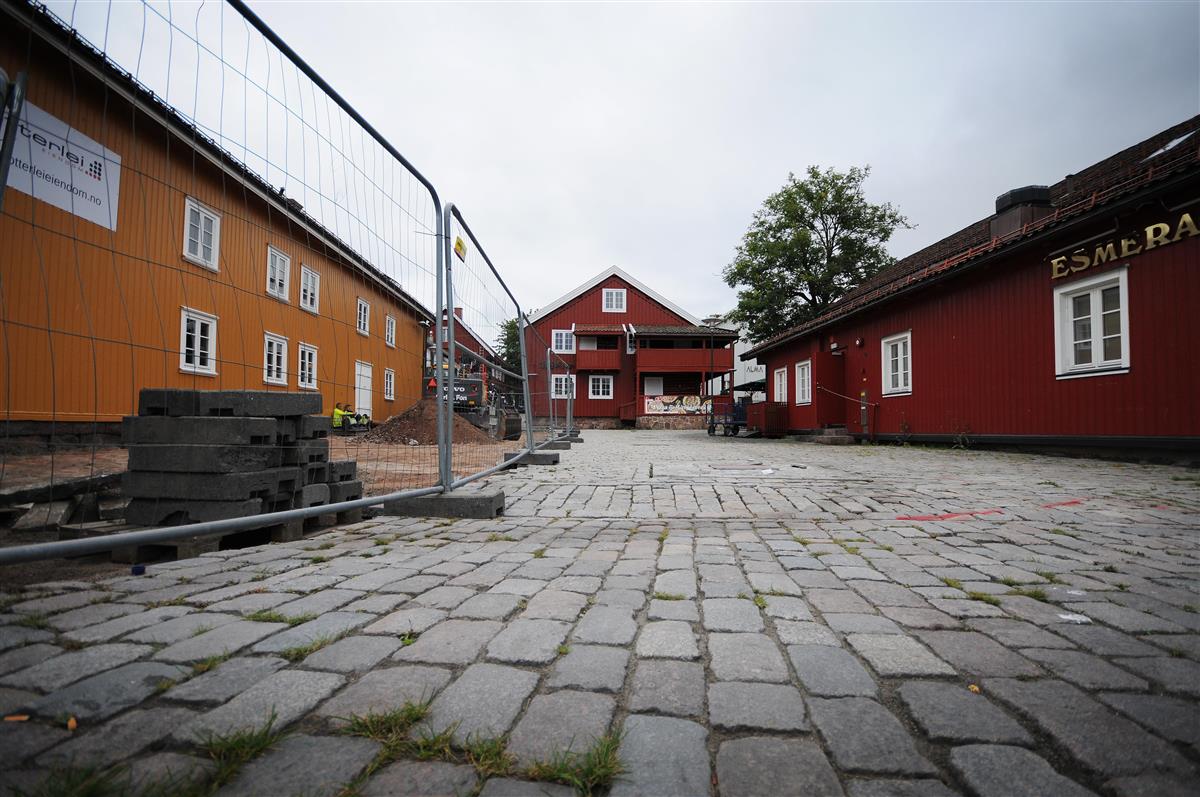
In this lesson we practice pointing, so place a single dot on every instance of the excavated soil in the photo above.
(420, 424)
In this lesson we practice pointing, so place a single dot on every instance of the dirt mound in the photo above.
(419, 424)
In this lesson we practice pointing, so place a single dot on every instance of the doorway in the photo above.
(362, 388)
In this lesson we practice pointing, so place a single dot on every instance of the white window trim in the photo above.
(801, 399)
(300, 350)
(554, 383)
(389, 331)
(1062, 295)
(268, 339)
(781, 398)
(315, 305)
(603, 377)
(604, 300)
(389, 384)
(188, 205)
(554, 341)
(884, 374)
(360, 317)
(185, 312)
(287, 273)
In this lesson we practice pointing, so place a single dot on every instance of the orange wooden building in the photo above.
(188, 272)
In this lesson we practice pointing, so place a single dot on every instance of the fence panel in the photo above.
(190, 207)
(484, 366)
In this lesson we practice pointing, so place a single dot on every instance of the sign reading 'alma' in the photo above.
(1152, 237)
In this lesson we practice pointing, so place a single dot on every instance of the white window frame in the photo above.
(310, 297)
(282, 263)
(281, 378)
(554, 341)
(1064, 339)
(301, 350)
(885, 376)
(781, 386)
(199, 317)
(593, 380)
(556, 391)
(804, 385)
(363, 316)
(190, 205)
(389, 331)
(389, 384)
(614, 293)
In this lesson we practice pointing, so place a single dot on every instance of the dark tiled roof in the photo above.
(599, 329)
(1074, 195)
(685, 330)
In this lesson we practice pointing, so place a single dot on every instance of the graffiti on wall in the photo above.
(678, 405)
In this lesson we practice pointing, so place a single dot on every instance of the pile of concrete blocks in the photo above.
(201, 455)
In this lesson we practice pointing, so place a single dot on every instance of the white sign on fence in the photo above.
(57, 164)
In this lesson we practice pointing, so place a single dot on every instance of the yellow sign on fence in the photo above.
(460, 248)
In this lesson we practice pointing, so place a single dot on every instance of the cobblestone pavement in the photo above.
(750, 617)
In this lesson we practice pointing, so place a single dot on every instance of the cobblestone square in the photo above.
(734, 616)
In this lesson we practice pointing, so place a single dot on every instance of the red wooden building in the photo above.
(1068, 317)
(631, 355)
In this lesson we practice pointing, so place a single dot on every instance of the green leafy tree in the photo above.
(508, 345)
(810, 243)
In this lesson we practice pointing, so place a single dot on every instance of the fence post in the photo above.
(522, 326)
(446, 443)
(550, 396)
(12, 95)
(570, 411)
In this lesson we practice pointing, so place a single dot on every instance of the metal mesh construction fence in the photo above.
(221, 287)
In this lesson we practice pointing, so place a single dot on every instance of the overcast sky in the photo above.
(576, 137)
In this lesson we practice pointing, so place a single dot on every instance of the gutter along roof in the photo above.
(54, 32)
(1075, 196)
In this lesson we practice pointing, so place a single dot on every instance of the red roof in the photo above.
(1147, 162)
(599, 329)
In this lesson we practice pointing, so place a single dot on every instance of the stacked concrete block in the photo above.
(199, 455)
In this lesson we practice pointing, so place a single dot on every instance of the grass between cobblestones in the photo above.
(231, 751)
(301, 652)
(991, 600)
(593, 769)
(270, 616)
(1036, 594)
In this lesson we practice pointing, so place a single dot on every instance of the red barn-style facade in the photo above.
(1068, 317)
(632, 356)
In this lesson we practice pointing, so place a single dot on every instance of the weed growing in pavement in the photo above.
(1050, 576)
(272, 616)
(1121, 585)
(1030, 592)
(668, 596)
(1064, 533)
(316, 560)
(1111, 569)
(564, 650)
(494, 537)
(760, 601)
(887, 548)
(37, 621)
(991, 600)
(1050, 484)
(802, 540)
(1191, 608)
(231, 751)
(408, 639)
(201, 667)
(540, 553)
(587, 772)
(388, 728)
(300, 652)
(662, 537)
(1176, 653)
(69, 644)
(952, 583)
(81, 781)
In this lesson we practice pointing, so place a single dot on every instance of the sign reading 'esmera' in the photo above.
(1152, 237)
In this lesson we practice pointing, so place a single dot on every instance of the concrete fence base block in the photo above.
(557, 445)
(478, 504)
(291, 531)
(536, 458)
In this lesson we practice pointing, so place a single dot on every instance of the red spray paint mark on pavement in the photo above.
(1072, 502)
(951, 515)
